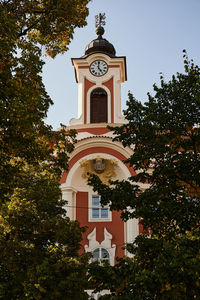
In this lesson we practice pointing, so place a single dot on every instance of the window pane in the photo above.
(95, 213)
(101, 255)
(104, 253)
(96, 254)
(104, 213)
(95, 200)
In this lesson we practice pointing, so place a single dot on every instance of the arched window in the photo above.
(101, 255)
(98, 106)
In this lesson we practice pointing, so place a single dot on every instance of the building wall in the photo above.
(115, 227)
(95, 142)
(78, 194)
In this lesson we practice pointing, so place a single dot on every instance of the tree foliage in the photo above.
(165, 134)
(38, 243)
(50, 23)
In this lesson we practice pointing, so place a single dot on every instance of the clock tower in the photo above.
(99, 74)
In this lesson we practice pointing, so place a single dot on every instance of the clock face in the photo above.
(98, 68)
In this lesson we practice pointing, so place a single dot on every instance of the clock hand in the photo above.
(98, 66)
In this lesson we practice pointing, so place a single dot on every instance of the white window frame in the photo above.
(106, 244)
(90, 206)
(100, 259)
(98, 295)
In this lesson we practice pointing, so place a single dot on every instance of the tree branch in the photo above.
(22, 33)
(7, 2)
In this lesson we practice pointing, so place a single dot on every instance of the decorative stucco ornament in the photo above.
(99, 165)
(104, 168)
(106, 243)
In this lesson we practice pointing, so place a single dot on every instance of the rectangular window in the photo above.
(99, 212)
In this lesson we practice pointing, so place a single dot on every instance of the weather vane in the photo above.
(100, 20)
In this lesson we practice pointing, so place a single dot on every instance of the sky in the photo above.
(150, 33)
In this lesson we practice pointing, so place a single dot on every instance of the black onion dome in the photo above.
(100, 44)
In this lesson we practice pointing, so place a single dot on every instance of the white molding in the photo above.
(68, 194)
(131, 232)
(106, 244)
(101, 141)
(92, 125)
(95, 295)
(65, 188)
(121, 165)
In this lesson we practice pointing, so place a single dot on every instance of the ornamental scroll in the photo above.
(104, 168)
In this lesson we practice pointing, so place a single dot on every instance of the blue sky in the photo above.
(150, 33)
